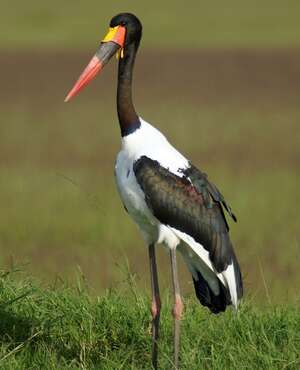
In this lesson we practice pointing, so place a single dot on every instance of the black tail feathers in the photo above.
(216, 303)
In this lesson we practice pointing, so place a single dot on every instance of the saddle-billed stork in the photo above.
(171, 200)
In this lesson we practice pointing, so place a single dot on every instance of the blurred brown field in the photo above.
(233, 112)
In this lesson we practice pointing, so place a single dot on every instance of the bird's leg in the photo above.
(156, 303)
(178, 306)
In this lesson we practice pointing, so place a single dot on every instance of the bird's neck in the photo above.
(128, 119)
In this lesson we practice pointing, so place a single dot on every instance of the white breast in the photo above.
(146, 141)
(133, 198)
(150, 142)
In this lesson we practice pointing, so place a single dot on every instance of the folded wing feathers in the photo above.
(174, 203)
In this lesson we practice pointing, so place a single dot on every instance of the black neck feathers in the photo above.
(128, 118)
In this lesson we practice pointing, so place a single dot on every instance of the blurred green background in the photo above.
(216, 23)
(220, 79)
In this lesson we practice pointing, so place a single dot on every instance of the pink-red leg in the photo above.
(155, 305)
(177, 308)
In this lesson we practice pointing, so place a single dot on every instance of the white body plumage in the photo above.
(150, 142)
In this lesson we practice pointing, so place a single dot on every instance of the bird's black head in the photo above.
(124, 33)
(131, 23)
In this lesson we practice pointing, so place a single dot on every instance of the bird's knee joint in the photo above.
(155, 307)
(178, 308)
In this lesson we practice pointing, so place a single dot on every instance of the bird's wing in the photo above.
(191, 205)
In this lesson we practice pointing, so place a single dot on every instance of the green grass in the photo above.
(170, 24)
(60, 327)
